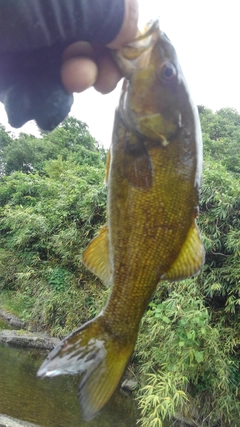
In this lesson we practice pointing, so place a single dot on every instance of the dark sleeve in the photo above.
(31, 24)
(33, 34)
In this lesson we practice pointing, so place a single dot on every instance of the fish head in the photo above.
(155, 103)
(155, 99)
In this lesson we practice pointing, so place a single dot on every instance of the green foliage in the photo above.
(48, 214)
(58, 279)
(5, 137)
(221, 136)
(28, 154)
(189, 364)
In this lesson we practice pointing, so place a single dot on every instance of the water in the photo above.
(51, 402)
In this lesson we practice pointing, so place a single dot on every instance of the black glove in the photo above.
(31, 89)
(33, 35)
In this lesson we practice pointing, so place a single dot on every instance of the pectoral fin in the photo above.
(95, 256)
(190, 259)
(137, 165)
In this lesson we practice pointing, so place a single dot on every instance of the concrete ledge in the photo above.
(12, 320)
(27, 339)
(6, 421)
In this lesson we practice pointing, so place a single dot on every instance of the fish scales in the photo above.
(160, 241)
(153, 175)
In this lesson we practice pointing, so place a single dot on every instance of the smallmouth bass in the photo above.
(153, 174)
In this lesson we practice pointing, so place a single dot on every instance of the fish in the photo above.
(153, 177)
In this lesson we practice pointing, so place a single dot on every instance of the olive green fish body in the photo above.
(150, 227)
(153, 175)
(153, 185)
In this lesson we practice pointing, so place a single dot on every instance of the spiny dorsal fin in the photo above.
(96, 258)
(190, 259)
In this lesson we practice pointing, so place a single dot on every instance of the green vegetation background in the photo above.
(52, 202)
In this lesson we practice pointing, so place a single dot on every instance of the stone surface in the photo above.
(129, 384)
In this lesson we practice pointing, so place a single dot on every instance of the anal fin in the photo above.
(96, 256)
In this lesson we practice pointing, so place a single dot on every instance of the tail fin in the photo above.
(94, 350)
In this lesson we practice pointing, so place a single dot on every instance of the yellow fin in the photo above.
(190, 259)
(96, 258)
(101, 355)
(98, 386)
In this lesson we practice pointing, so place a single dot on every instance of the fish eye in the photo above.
(168, 72)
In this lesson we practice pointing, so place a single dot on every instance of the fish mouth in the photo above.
(137, 53)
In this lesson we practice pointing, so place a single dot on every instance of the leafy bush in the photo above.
(48, 215)
(189, 366)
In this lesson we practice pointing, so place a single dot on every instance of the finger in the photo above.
(77, 49)
(78, 74)
(108, 74)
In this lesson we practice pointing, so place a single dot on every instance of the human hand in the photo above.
(85, 65)
(38, 74)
